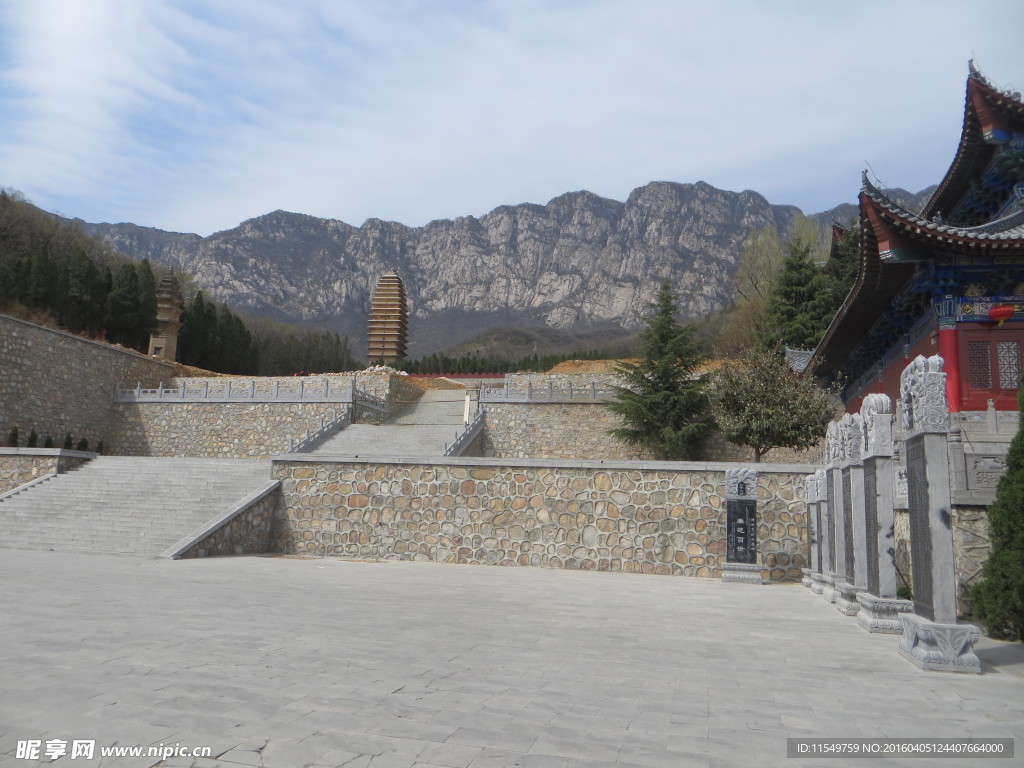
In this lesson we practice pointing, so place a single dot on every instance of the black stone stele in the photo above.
(741, 542)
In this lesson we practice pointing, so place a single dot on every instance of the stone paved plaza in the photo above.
(291, 662)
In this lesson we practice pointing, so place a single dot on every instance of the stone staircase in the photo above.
(126, 504)
(420, 429)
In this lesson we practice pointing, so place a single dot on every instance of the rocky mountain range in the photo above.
(580, 263)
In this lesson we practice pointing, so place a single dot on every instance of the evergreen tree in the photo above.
(843, 264)
(147, 304)
(83, 299)
(663, 405)
(799, 307)
(123, 317)
(197, 337)
(759, 402)
(999, 596)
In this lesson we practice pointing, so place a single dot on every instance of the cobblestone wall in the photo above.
(971, 544)
(23, 465)
(55, 382)
(665, 520)
(222, 430)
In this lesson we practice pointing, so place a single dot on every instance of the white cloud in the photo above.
(194, 116)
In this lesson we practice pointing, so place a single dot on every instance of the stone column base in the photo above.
(846, 598)
(748, 574)
(939, 647)
(817, 582)
(882, 614)
(806, 580)
(829, 591)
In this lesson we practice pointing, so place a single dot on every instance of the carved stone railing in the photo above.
(215, 390)
(593, 392)
(327, 429)
(466, 437)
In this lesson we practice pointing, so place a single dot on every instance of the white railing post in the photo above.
(252, 389)
(228, 396)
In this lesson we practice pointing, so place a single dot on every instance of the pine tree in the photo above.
(197, 337)
(799, 307)
(123, 318)
(147, 304)
(999, 596)
(663, 405)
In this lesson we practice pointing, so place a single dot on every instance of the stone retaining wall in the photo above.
(553, 431)
(664, 518)
(248, 533)
(221, 430)
(55, 382)
(23, 465)
(580, 431)
(242, 429)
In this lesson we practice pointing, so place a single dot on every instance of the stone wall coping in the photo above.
(59, 452)
(612, 464)
(100, 344)
(200, 533)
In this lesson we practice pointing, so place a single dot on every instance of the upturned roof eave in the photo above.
(973, 153)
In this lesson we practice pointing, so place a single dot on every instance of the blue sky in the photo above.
(194, 115)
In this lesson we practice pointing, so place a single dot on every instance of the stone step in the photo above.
(127, 505)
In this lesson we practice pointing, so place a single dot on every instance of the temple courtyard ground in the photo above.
(273, 661)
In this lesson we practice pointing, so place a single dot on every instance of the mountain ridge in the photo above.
(580, 261)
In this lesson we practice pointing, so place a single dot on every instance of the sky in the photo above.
(195, 115)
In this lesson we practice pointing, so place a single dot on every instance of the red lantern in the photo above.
(1000, 313)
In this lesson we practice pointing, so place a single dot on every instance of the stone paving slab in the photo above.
(303, 662)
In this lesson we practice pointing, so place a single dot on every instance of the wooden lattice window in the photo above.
(990, 364)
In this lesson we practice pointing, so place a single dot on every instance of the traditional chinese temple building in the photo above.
(948, 280)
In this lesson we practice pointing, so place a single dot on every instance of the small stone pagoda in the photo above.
(389, 315)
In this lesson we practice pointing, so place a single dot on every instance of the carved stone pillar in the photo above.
(813, 526)
(835, 569)
(932, 639)
(854, 578)
(879, 607)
